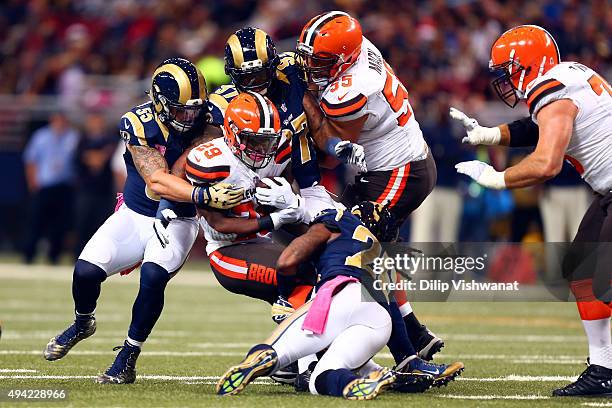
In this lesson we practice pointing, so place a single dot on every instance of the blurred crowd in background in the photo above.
(70, 68)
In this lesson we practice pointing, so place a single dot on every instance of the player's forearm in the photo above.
(316, 119)
(170, 187)
(232, 225)
(533, 169)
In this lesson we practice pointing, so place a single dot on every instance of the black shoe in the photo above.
(412, 382)
(123, 370)
(594, 381)
(286, 375)
(442, 373)
(302, 381)
(61, 344)
(426, 343)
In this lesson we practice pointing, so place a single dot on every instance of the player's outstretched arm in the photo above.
(556, 122)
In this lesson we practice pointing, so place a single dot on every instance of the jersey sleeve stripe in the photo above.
(545, 88)
(345, 108)
(207, 174)
(219, 101)
(283, 155)
(138, 127)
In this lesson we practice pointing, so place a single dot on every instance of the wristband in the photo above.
(265, 223)
(493, 179)
(197, 196)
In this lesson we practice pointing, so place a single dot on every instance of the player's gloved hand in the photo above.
(483, 173)
(165, 214)
(290, 215)
(476, 134)
(279, 195)
(281, 309)
(221, 195)
(351, 153)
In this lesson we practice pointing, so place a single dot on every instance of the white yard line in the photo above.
(520, 378)
(597, 404)
(494, 397)
(17, 370)
(218, 350)
(503, 338)
(516, 378)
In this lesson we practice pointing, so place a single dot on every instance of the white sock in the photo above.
(405, 309)
(367, 368)
(85, 314)
(134, 343)
(600, 341)
(304, 362)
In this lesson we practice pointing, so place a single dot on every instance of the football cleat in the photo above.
(286, 375)
(442, 373)
(369, 387)
(412, 383)
(427, 343)
(302, 381)
(260, 362)
(61, 344)
(123, 370)
(594, 381)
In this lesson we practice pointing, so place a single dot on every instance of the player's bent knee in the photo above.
(87, 272)
(153, 275)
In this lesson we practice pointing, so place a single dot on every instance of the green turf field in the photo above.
(515, 353)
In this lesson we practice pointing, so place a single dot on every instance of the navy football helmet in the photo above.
(251, 60)
(178, 92)
(378, 219)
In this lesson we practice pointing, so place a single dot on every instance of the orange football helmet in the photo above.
(522, 54)
(252, 129)
(328, 45)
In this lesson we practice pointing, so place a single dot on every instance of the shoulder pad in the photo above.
(218, 101)
(132, 129)
(206, 164)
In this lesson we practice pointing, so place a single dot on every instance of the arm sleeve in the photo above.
(523, 133)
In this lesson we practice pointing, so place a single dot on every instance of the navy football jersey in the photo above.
(286, 92)
(141, 127)
(352, 253)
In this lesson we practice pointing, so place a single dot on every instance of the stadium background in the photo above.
(91, 60)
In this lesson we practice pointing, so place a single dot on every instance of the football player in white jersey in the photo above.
(359, 111)
(570, 118)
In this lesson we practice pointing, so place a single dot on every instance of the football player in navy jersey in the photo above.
(156, 133)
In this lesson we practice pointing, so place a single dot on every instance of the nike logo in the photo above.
(432, 372)
(340, 98)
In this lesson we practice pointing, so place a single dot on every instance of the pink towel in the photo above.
(119, 201)
(316, 318)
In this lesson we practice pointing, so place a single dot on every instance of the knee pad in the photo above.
(153, 276)
(86, 271)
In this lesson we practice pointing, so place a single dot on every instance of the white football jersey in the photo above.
(391, 136)
(214, 162)
(590, 147)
